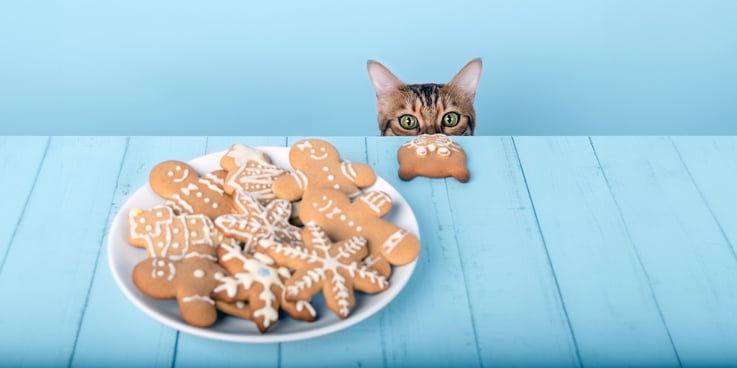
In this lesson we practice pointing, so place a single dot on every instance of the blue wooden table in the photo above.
(560, 251)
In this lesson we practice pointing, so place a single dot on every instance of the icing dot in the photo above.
(314, 205)
(358, 228)
(207, 200)
(161, 263)
(325, 168)
(198, 195)
(218, 275)
(322, 149)
(192, 221)
(178, 167)
(351, 223)
(175, 230)
(142, 220)
(444, 151)
(194, 233)
(148, 228)
(160, 244)
(331, 177)
(215, 205)
(240, 305)
(159, 214)
(264, 271)
(175, 245)
(324, 198)
(342, 217)
(199, 273)
(336, 186)
(170, 173)
(160, 273)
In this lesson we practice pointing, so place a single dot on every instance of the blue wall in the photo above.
(298, 67)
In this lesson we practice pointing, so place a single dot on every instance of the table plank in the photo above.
(146, 341)
(429, 323)
(512, 289)
(711, 163)
(608, 296)
(358, 345)
(193, 351)
(680, 244)
(20, 162)
(52, 258)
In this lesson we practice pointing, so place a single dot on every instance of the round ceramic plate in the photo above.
(123, 257)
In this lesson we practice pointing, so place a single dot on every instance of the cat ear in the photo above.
(468, 78)
(382, 79)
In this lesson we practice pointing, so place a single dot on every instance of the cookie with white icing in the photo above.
(254, 222)
(164, 234)
(342, 218)
(250, 170)
(187, 192)
(255, 290)
(317, 164)
(333, 268)
(432, 156)
(190, 282)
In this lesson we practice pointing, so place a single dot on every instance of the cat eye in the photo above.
(451, 119)
(408, 121)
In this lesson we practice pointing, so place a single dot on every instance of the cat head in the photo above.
(412, 109)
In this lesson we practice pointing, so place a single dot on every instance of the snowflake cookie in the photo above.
(256, 289)
(254, 222)
(336, 269)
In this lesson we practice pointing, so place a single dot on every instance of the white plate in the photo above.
(123, 257)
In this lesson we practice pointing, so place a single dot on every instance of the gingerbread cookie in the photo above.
(336, 269)
(167, 235)
(188, 192)
(254, 222)
(257, 280)
(317, 164)
(189, 281)
(342, 219)
(433, 156)
(250, 170)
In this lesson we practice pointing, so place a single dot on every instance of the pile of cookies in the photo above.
(254, 239)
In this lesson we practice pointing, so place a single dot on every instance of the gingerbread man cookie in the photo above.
(188, 192)
(433, 156)
(257, 280)
(250, 170)
(341, 219)
(167, 235)
(189, 281)
(336, 269)
(254, 222)
(317, 164)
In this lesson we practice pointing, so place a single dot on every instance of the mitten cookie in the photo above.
(167, 235)
(189, 281)
(336, 269)
(433, 156)
(341, 219)
(317, 164)
(250, 170)
(257, 280)
(188, 192)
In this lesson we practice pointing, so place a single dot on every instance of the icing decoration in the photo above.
(165, 234)
(259, 281)
(336, 269)
(317, 164)
(250, 170)
(255, 222)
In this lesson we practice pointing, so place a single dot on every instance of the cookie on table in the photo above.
(255, 222)
(341, 219)
(333, 268)
(190, 282)
(250, 170)
(317, 164)
(432, 156)
(255, 290)
(187, 192)
(164, 234)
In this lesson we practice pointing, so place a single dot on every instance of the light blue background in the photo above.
(298, 67)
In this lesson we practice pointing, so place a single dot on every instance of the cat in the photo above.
(413, 109)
